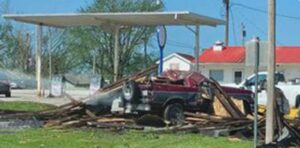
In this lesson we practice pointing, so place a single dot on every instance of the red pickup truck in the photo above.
(170, 95)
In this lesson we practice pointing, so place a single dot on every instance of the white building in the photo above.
(234, 63)
(178, 61)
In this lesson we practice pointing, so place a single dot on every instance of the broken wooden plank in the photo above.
(228, 104)
(114, 125)
(106, 120)
(213, 117)
(138, 75)
(90, 114)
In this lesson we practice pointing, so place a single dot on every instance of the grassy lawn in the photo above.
(24, 106)
(95, 138)
(103, 139)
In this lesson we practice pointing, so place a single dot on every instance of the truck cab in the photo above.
(249, 82)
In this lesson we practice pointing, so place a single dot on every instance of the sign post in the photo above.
(161, 39)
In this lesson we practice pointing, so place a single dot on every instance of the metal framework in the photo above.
(115, 20)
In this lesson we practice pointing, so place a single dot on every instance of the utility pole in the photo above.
(226, 3)
(271, 69)
(197, 48)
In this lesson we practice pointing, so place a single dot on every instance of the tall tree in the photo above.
(56, 57)
(15, 44)
(86, 42)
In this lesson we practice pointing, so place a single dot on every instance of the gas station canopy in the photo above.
(116, 18)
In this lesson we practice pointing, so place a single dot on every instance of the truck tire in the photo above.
(173, 113)
(131, 91)
(297, 104)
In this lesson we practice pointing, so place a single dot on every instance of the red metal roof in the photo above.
(186, 56)
(235, 54)
(288, 54)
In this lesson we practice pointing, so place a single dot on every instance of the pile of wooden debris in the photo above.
(75, 114)
(229, 118)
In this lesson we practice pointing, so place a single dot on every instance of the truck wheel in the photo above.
(297, 104)
(174, 114)
(130, 91)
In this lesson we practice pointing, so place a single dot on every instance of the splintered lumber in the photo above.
(213, 118)
(105, 120)
(219, 109)
(226, 105)
(195, 119)
(137, 76)
(185, 128)
(226, 101)
(205, 116)
(229, 100)
(240, 105)
(90, 114)
(114, 125)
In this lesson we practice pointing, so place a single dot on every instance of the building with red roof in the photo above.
(234, 63)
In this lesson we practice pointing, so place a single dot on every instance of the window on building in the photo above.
(218, 75)
(238, 76)
(174, 66)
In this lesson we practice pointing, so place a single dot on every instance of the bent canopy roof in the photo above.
(116, 18)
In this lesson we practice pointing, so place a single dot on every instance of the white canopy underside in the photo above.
(116, 18)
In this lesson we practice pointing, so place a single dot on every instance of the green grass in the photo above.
(95, 138)
(24, 106)
(75, 138)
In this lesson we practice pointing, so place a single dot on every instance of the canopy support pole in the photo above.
(116, 53)
(38, 48)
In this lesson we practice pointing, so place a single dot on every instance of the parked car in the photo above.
(170, 95)
(4, 85)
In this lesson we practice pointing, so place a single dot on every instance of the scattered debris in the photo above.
(229, 118)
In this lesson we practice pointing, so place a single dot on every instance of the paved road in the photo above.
(30, 95)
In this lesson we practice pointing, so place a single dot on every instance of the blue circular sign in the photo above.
(161, 36)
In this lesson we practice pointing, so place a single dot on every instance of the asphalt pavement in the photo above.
(30, 95)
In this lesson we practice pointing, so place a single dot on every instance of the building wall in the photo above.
(228, 70)
(182, 65)
(290, 71)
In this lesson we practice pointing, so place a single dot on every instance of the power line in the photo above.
(264, 11)
(253, 24)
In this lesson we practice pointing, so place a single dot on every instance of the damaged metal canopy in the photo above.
(116, 18)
